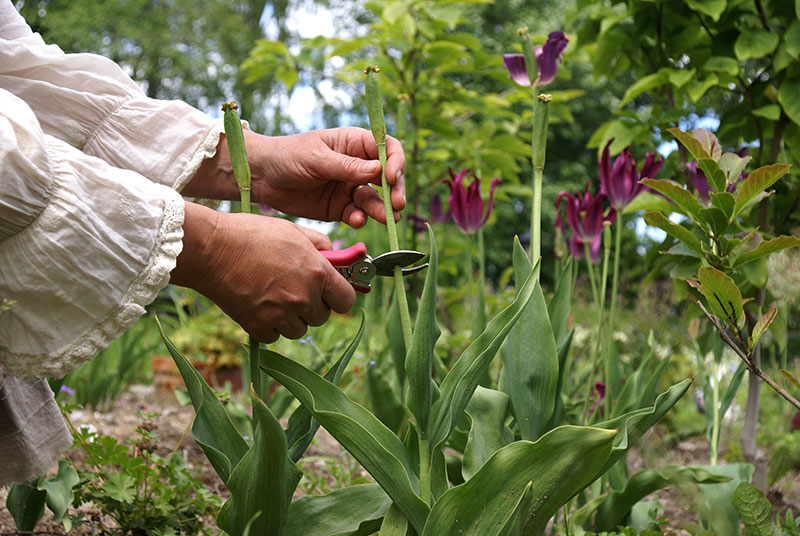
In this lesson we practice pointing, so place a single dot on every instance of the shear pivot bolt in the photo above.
(363, 270)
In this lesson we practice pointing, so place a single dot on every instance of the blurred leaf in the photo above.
(350, 511)
(716, 509)
(419, 361)
(758, 181)
(649, 201)
(789, 97)
(530, 358)
(722, 295)
(789, 376)
(555, 467)
(449, 15)
(770, 111)
(712, 8)
(755, 510)
(25, 503)
(755, 44)
(762, 325)
(722, 64)
(59, 489)
(369, 441)
(488, 433)
(643, 85)
(618, 504)
(266, 468)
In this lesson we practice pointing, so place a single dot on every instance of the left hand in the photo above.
(322, 174)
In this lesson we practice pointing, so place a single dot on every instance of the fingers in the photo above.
(319, 240)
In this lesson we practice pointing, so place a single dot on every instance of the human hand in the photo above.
(322, 174)
(265, 273)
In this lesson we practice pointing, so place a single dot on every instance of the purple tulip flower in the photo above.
(620, 182)
(418, 224)
(574, 246)
(466, 205)
(585, 215)
(437, 214)
(547, 57)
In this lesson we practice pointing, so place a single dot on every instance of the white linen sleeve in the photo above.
(89, 102)
(84, 246)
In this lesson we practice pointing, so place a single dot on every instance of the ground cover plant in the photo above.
(506, 389)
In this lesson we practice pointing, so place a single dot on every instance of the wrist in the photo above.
(195, 259)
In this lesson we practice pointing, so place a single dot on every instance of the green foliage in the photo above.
(756, 511)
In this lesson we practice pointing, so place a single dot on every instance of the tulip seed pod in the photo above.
(529, 53)
(234, 136)
(540, 121)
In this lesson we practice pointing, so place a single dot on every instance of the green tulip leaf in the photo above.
(683, 199)
(712, 8)
(354, 510)
(419, 361)
(370, 442)
(679, 232)
(618, 504)
(789, 98)
(487, 411)
(758, 181)
(722, 295)
(459, 384)
(765, 248)
(530, 358)
(212, 428)
(266, 468)
(394, 523)
(755, 510)
(302, 427)
(755, 44)
(552, 470)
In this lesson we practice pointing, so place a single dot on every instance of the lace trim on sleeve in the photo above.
(142, 291)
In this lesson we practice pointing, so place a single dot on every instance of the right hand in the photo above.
(265, 273)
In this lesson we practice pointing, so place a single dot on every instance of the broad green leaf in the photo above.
(212, 429)
(449, 15)
(530, 358)
(712, 8)
(761, 326)
(384, 402)
(59, 489)
(632, 426)
(722, 64)
(351, 511)
(716, 509)
(753, 43)
(697, 88)
(419, 361)
(397, 345)
(487, 410)
(393, 11)
(715, 219)
(770, 111)
(792, 39)
(723, 296)
(302, 427)
(756, 511)
(263, 481)
(644, 84)
(649, 201)
(715, 175)
(765, 248)
(725, 202)
(732, 165)
(376, 447)
(758, 181)
(684, 200)
(120, 487)
(657, 219)
(560, 304)
(25, 503)
(558, 465)
(789, 97)
(471, 366)
(618, 504)
(515, 522)
(680, 77)
(395, 523)
(709, 142)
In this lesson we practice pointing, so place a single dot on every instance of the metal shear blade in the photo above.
(385, 262)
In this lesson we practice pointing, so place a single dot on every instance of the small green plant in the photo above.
(143, 492)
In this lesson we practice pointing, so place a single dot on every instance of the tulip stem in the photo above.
(541, 118)
(603, 283)
(424, 470)
(613, 307)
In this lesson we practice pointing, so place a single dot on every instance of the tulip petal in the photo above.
(495, 182)
(515, 63)
(547, 57)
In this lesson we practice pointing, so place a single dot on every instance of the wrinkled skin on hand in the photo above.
(265, 273)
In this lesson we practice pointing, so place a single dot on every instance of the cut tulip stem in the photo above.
(541, 118)
(614, 286)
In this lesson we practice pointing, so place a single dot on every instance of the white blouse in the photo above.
(90, 214)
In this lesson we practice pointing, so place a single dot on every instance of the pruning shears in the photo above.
(359, 268)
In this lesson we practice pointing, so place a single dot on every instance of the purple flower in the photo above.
(620, 182)
(585, 215)
(437, 215)
(547, 57)
(572, 245)
(417, 223)
(466, 204)
(67, 389)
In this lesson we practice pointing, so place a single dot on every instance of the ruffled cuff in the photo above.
(83, 271)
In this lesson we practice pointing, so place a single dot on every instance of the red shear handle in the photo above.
(342, 258)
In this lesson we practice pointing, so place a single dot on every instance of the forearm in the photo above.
(193, 263)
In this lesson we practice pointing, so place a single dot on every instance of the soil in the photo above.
(329, 465)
